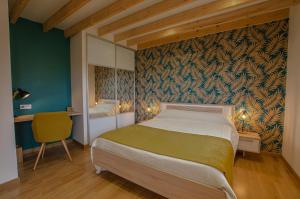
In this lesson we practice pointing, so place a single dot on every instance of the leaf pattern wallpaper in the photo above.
(245, 67)
(105, 87)
(104, 83)
(125, 90)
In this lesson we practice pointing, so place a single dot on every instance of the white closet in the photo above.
(102, 86)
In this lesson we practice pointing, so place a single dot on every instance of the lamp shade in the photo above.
(243, 115)
(20, 94)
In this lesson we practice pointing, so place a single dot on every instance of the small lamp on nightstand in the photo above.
(149, 109)
(243, 116)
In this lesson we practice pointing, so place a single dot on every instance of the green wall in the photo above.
(40, 65)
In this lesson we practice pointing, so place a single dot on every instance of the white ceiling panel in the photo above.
(40, 10)
(129, 11)
(157, 17)
(90, 8)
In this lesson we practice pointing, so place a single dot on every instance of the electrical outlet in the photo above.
(25, 106)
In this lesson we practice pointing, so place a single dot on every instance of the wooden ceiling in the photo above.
(142, 24)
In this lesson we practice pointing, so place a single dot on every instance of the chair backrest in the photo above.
(51, 126)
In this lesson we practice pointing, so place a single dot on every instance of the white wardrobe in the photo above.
(103, 87)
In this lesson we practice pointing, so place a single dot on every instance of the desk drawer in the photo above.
(249, 145)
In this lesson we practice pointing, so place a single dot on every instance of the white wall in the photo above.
(78, 86)
(8, 159)
(291, 137)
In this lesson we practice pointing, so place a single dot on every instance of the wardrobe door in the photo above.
(101, 87)
(125, 63)
(100, 52)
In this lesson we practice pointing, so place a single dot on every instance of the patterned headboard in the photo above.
(226, 110)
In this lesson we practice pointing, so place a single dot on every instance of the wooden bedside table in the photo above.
(249, 142)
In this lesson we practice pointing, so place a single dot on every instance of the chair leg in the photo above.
(44, 149)
(66, 149)
(39, 155)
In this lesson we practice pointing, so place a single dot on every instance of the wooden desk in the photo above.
(27, 118)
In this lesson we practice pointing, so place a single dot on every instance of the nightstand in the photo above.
(249, 142)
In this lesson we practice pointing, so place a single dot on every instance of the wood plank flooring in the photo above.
(255, 176)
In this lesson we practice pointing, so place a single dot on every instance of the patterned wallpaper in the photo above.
(125, 90)
(244, 67)
(105, 86)
(104, 83)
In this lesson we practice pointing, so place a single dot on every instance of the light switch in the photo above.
(25, 106)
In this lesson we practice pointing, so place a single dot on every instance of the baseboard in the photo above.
(83, 146)
(297, 177)
(10, 184)
(34, 151)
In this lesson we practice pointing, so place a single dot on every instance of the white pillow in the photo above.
(194, 116)
(104, 107)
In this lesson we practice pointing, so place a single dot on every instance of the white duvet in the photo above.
(195, 124)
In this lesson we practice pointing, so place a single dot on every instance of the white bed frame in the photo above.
(165, 184)
(226, 110)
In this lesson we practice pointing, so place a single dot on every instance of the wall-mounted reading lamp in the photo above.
(20, 94)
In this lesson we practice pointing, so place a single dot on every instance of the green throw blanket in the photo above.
(212, 151)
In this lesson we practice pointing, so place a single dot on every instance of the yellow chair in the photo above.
(51, 127)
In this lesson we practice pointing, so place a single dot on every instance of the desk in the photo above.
(28, 118)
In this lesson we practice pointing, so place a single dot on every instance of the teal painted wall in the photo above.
(40, 65)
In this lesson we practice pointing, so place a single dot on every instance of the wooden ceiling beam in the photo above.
(143, 14)
(268, 6)
(67, 10)
(185, 16)
(104, 13)
(222, 27)
(17, 10)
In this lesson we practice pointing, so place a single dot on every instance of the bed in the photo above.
(168, 176)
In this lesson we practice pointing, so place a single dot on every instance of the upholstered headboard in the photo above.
(226, 110)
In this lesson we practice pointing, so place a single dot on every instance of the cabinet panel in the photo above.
(125, 58)
(100, 52)
(102, 114)
(125, 63)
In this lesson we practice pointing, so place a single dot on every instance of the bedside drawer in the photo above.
(249, 145)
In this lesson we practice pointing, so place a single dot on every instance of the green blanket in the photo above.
(212, 151)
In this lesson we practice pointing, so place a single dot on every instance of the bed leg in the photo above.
(98, 169)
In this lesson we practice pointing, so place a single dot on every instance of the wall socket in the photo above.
(25, 106)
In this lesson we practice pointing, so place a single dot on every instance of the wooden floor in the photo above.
(255, 177)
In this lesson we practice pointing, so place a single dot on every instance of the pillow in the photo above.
(104, 107)
(193, 116)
